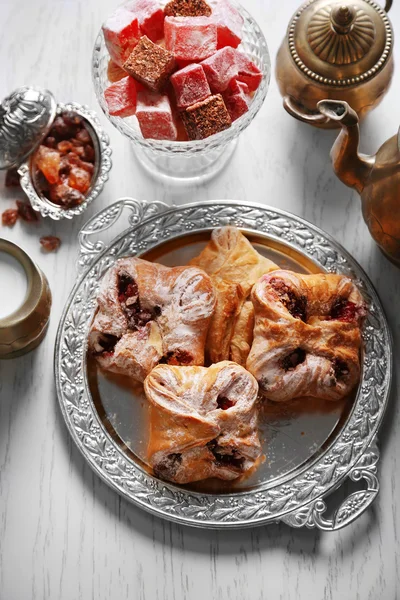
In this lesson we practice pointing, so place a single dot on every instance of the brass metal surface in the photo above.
(376, 178)
(340, 51)
(24, 329)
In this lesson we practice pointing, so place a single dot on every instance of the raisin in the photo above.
(89, 154)
(48, 162)
(296, 305)
(26, 212)
(50, 142)
(9, 217)
(84, 136)
(294, 359)
(50, 242)
(225, 456)
(65, 196)
(12, 178)
(168, 466)
(108, 342)
(64, 146)
(60, 129)
(79, 179)
(340, 368)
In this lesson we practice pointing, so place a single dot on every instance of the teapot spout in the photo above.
(352, 168)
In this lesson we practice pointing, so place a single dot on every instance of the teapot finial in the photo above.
(349, 165)
(342, 18)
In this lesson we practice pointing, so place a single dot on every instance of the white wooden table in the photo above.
(63, 533)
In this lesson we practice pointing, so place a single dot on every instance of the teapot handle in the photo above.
(388, 5)
(295, 111)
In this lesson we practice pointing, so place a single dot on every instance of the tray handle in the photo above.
(138, 211)
(352, 507)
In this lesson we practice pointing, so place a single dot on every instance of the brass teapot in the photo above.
(376, 178)
(340, 51)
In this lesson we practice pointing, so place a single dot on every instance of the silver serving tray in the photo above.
(309, 451)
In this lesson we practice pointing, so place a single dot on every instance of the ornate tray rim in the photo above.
(297, 501)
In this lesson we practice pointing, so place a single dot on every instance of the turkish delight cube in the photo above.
(154, 115)
(229, 23)
(187, 8)
(190, 85)
(121, 97)
(206, 118)
(190, 38)
(121, 34)
(237, 99)
(150, 16)
(248, 72)
(220, 69)
(150, 64)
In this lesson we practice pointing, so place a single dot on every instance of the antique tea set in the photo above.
(136, 312)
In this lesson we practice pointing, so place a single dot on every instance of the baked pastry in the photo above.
(307, 335)
(203, 422)
(148, 313)
(234, 266)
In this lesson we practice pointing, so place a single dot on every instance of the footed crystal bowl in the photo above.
(194, 160)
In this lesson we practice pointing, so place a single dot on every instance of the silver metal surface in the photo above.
(26, 116)
(101, 168)
(297, 475)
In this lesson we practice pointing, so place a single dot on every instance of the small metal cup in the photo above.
(24, 329)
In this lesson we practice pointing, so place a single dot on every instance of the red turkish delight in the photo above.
(220, 69)
(237, 99)
(121, 34)
(150, 16)
(248, 72)
(230, 24)
(155, 118)
(150, 64)
(187, 8)
(190, 38)
(121, 97)
(190, 85)
(206, 118)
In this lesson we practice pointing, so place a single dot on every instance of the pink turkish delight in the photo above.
(155, 117)
(220, 69)
(229, 22)
(237, 99)
(190, 38)
(121, 97)
(190, 85)
(248, 72)
(150, 16)
(121, 34)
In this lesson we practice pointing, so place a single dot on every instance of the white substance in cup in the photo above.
(13, 284)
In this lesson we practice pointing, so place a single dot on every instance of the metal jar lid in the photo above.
(340, 44)
(26, 116)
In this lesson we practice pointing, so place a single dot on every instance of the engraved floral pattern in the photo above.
(298, 502)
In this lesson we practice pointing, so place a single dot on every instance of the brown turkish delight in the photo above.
(187, 8)
(150, 64)
(206, 118)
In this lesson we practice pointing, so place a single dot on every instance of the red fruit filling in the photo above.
(224, 403)
(344, 310)
(296, 305)
(293, 359)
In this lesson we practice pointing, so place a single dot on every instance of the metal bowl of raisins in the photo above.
(62, 154)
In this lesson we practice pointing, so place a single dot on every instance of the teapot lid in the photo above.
(26, 116)
(340, 43)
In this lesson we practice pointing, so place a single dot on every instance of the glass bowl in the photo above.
(194, 160)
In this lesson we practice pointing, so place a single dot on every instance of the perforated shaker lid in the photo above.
(26, 116)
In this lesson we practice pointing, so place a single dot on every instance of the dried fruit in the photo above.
(50, 242)
(12, 178)
(79, 179)
(48, 161)
(26, 212)
(9, 217)
(65, 196)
